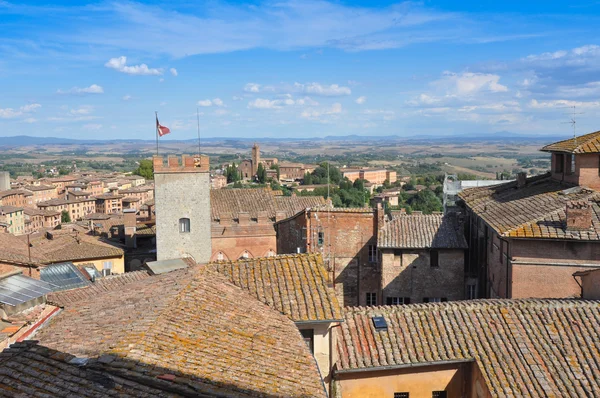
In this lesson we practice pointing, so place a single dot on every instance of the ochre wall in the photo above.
(418, 382)
(118, 264)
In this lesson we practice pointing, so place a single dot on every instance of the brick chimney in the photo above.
(243, 218)
(130, 223)
(579, 215)
(521, 179)
(262, 217)
(380, 213)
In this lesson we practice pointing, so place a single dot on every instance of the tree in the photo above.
(62, 171)
(425, 201)
(232, 173)
(65, 217)
(276, 167)
(308, 180)
(261, 174)
(145, 169)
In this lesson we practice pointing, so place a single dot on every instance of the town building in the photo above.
(218, 181)
(243, 221)
(77, 208)
(184, 333)
(453, 186)
(16, 197)
(12, 219)
(590, 283)
(142, 192)
(347, 240)
(4, 181)
(289, 172)
(480, 348)
(422, 260)
(37, 219)
(307, 298)
(527, 237)
(109, 203)
(41, 193)
(375, 176)
(183, 208)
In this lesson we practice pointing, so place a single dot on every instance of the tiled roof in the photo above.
(231, 202)
(189, 332)
(523, 347)
(588, 143)
(105, 284)
(31, 370)
(419, 231)
(295, 285)
(73, 247)
(534, 211)
(294, 204)
(39, 187)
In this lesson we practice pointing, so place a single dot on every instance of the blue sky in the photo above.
(288, 68)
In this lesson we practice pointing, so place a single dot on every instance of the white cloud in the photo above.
(82, 110)
(237, 98)
(332, 90)
(261, 103)
(127, 97)
(92, 126)
(306, 101)
(214, 102)
(252, 88)
(554, 104)
(10, 113)
(120, 64)
(335, 109)
(173, 71)
(93, 89)
(380, 113)
(361, 100)
(469, 83)
(30, 120)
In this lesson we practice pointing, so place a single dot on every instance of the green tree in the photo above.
(65, 217)
(276, 167)
(232, 173)
(145, 169)
(261, 174)
(308, 180)
(62, 171)
(425, 201)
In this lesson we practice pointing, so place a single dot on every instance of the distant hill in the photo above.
(24, 140)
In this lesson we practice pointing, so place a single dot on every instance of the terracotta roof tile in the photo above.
(523, 347)
(534, 211)
(418, 231)
(588, 143)
(189, 332)
(295, 285)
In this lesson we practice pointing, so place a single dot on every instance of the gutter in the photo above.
(319, 321)
(403, 366)
(38, 325)
(557, 264)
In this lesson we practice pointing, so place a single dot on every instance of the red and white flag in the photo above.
(162, 130)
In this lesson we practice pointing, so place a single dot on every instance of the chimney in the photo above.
(225, 219)
(262, 217)
(380, 213)
(244, 218)
(521, 179)
(280, 215)
(579, 215)
(130, 221)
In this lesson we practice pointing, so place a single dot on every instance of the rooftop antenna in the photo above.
(573, 122)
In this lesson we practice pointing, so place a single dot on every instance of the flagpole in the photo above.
(156, 126)
(198, 117)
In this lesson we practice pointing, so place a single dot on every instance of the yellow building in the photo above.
(12, 219)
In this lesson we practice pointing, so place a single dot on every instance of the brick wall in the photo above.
(587, 170)
(233, 240)
(408, 273)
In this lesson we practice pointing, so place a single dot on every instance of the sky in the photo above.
(289, 68)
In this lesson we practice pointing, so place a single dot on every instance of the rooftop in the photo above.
(39, 187)
(523, 347)
(536, 210)
(588, 143)
(295, 285)
(420, 231)
(189, 332)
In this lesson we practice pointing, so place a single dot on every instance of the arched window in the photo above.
(270, 253)
(245, 254)
(184, 225)
(220, 256)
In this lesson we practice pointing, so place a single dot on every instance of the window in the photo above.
(220, 256)
(371, 299)
(434, 259)
(401, 395)
(434, 299)
(372, 253)
(184, 225)
(559, 160)
(439, 394)
(571, 163)
(245, 254)
(106, 268)
(471, 292)
(397, 300)
(309, 338)
(321, 238)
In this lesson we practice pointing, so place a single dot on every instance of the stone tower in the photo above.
(182, 205)
(255, 158)
(4, 181)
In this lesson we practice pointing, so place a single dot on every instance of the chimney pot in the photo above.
(579, 215)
